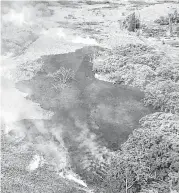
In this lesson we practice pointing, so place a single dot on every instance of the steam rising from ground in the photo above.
(15, 105)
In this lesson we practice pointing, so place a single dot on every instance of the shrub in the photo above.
(131, 22)
(163, 94)
(149, 159)
(174, 17)
(169, 71)
(62, 77)
(129, 54)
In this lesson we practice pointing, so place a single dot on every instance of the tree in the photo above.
(168, 71)
(61, 77)
(132, 22)
(163, 94)
(137, 75)
(149, 159)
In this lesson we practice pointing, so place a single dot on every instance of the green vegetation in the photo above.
(131, 22)
(163, 95)
(142, 66)
(149, 159)
(148, 162)
(174, 17)
(61, 77)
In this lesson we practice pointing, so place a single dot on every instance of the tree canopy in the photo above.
(149, 159)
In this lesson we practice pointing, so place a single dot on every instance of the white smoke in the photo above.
(15, 107)
(35, 163)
